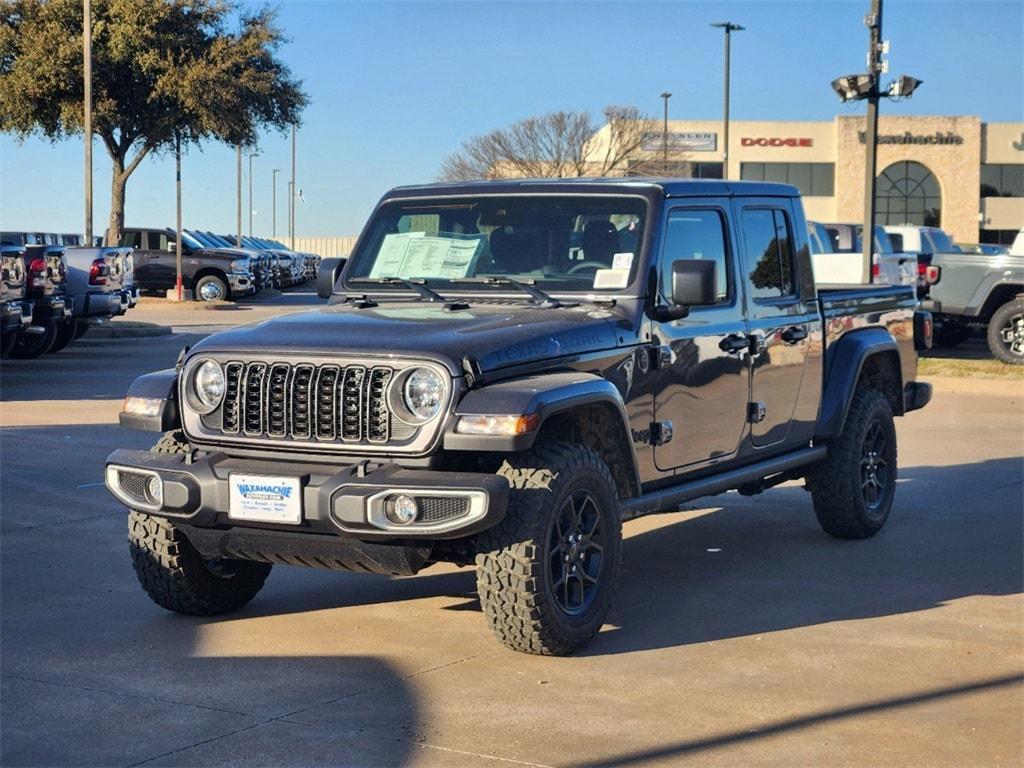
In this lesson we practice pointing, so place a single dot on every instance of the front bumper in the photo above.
(241, 282)
(347, 501)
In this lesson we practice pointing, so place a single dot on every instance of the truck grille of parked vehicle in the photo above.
(344, 404)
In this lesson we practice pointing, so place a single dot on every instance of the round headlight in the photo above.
(209, 384)
(423, 394)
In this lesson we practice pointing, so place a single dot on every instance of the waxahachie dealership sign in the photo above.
(915, 138)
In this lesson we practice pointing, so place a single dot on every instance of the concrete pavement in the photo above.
(741, 634)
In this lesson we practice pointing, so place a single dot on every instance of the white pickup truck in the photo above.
(836, 254)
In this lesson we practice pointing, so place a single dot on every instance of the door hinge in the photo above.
(756, 412)
(661, 432)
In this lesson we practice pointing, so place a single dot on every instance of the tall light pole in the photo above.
(729, 28)
(177, 214)
(238, 191)
(875, 68)
(291, 197)
(273, 215)
(664, 134)
(87, 106)
(251, 156)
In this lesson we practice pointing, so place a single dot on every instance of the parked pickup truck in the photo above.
(840, 261)
(486, 387)
(100, 280)
(15, 312)
(51, 307)
(210, 273)
(978, 290)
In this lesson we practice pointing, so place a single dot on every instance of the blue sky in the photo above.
(395, 87)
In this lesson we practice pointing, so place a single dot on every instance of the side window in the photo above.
(769, 252)
(131, 239)
(697, 234)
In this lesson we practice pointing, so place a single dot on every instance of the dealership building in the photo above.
(958, 173)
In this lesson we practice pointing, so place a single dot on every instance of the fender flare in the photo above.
(153, 399)
(546, 395)
(846, 360)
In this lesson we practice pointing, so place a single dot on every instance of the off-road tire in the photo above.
(514, 579)
(65, 335)
(32, 345)
(222, 288)
(837, 482)
(1008, 320)
(174, 574)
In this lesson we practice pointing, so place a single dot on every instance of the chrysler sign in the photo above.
(680, 142)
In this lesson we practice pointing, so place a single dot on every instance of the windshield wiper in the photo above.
(420, 286)
(533, 291)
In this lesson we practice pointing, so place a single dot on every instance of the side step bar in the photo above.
(669, 498)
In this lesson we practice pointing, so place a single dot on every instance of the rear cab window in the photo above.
(768, 243)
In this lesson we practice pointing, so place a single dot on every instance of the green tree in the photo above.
(201, 69)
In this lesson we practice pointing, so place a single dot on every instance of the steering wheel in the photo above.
(585, 266)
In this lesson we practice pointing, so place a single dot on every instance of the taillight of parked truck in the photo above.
(932, 274)
(98, 272)
(37, 273)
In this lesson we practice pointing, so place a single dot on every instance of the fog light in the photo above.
(155, 488)
(401, 510)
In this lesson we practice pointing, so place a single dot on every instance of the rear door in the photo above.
(702, 379)
(781, 312)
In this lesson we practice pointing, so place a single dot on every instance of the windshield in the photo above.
(559, 243)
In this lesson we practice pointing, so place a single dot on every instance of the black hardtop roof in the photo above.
(646, 186)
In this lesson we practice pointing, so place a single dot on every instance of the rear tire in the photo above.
(81, 329)
(175, 575)
(1006, 333)
(853, 487)
(65, 335)
(8, 344)
(32, 345)
(547, 573)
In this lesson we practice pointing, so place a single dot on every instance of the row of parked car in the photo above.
(52, 293)
(966, 287)
(54, 288)
(214, 267)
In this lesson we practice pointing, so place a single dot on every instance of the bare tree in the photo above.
(555, 145)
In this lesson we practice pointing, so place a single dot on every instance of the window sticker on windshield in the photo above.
(419, 255)
(611, 278)
(622, 261)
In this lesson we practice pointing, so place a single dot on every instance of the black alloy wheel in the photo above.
(576, 553)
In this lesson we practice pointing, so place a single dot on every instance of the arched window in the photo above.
(907, 193)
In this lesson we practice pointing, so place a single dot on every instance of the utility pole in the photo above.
(177, 202)
(873, 21)
(87, 73)
(251, 156)
(273, 215)
(729, 28)
(664, 134)
(238, 191)
(291, 197)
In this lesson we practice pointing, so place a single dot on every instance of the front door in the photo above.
(781, 314)
(701, 383)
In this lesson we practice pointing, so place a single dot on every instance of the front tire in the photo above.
(547, 573)
(1006, 333)
(853, 487)
(211, 288)
(175, 575)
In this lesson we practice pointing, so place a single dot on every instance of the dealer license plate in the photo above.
(265, 499)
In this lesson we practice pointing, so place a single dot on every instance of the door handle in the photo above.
(734, 343)
(794, 334)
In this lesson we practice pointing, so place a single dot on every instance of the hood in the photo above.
(498, 335)
(227, 253)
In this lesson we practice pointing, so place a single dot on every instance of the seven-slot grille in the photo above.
(309, 402)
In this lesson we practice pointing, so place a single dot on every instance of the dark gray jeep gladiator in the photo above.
(503, 374)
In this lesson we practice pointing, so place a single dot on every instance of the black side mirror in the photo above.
(692, 283)
(327, 276)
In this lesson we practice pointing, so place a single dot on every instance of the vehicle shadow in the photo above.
(974, 348)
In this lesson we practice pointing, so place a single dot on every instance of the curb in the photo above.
(135, 331)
